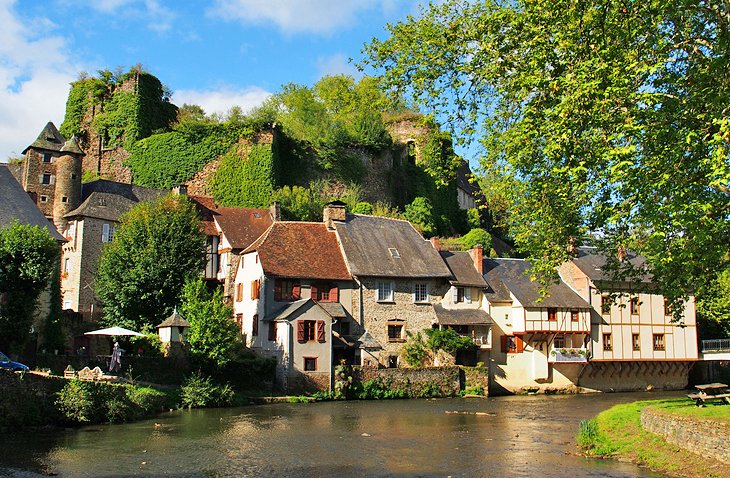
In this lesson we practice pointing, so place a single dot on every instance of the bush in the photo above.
(75, 402)
(587, 433)
(200, 392)
(376, 389)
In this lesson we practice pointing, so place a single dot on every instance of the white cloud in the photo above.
(221, 100)
(309, 16)
(338, 64)
(35, 72)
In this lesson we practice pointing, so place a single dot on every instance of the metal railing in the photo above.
(715, 345)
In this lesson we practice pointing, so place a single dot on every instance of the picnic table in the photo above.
(710, 391)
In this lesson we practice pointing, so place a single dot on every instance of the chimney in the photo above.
(436, 243)
(477, 254)
(180, 190)
(275, 211)
(334, 211)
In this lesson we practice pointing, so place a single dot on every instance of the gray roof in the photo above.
(108, 200)
(371, 245)
(592, 264)
(366, 341)
(462, 268)
(49, 139)
(17, 205)
(283, 312)
(71, 146)
(465, 178)
(335, 309)
(175, 320)
(512, 275)
(461, 316)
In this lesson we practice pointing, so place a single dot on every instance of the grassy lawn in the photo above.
(617, 433)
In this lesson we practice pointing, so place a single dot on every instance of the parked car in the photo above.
(5, 362)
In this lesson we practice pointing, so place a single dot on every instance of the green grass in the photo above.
(617, 433)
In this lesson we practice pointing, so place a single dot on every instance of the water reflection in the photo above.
(509, 436)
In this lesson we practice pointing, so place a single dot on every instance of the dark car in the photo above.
(5, 362)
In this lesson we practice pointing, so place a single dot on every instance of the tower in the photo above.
(67, 195)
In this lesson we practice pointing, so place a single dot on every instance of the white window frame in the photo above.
(467, 295)
(66, 264)
(423, 300)
(381, 288)
(107, 232)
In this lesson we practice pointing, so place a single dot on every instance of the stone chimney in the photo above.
(275, 211)
(334, 211)
(436, 243)
(477, 254)
(180, 190)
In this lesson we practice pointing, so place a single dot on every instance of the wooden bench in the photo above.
(710, 391)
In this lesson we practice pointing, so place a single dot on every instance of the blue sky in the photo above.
(216, 53)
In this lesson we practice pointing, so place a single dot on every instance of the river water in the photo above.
(523, 436)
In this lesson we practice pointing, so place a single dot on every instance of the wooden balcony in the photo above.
(569, 355)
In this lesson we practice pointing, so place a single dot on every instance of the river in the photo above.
(522, 436)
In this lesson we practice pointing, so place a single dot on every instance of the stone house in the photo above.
(540, 342)
(292, 300)
(635, 341)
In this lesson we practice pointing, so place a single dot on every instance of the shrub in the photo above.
(200, 392)
(75, 402)
(587, 433)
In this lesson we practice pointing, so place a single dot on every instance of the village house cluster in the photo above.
(354, 287)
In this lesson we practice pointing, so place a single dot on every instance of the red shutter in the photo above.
(334, 294)
(272, 331)
(296, 292)
(255, 330)
(320, 331)
(519, 344)
(503, 341)
(277, 290)
(314, 292)
(300, 331)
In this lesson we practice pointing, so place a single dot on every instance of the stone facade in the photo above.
(414, 381)
(39, 177)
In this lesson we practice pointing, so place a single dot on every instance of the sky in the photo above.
(216, 53)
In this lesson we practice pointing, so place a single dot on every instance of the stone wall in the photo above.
(630, 376)
(27, 399)
(705, 437)
(475, 377)
(414, 380)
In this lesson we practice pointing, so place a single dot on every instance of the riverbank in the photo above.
(617, 434)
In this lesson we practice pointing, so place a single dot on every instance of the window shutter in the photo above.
(300, 330)
(272, 331)
(255, 328)
(467, 295)
(277, 290)
(503, 341)
(255, 289)
(456, 295)
(320, 331)
(519, 344)
(40, 179)
(334, 294)
(296, 291)
(53, 179)
(314, 290)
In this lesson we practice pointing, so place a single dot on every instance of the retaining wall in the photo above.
(414, 380)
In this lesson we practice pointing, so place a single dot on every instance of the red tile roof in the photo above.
(301, 249)
(206, 210)
(242, 226)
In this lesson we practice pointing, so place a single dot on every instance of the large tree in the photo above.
(28, 257)
(157, 247)
(598, 116)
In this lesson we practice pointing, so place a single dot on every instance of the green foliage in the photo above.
(473, 219)
(363, 208)
(588, 114)
(53, 337)
(199, 391)
(245, 181)
(343, 381)
(420, 214)
(377, 389)
(157, 247)
(384, 209)
(587, 433)
(414, 351)
(713, 308)
(477, 237)
(213, 337)
(306, 204)
(447, 340)
(28, 257)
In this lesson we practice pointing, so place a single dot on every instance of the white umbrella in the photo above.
(115, 331)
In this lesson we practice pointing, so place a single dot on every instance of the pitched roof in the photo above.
(462, 268)
(506, 276)
(366, 341)
(17, 205)
(593, 264)
(286, 311)
(108, 200)
(71, 146)
(49, 139)
(242, 226)
(335, 309)
(300, 249)
(206, 208)
(175, 320)
(385, 247)
(461, 316)
(465, 178)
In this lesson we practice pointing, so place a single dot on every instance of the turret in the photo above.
(67, 195)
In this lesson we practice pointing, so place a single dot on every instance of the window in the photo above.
(552, 313)
(634, 305)
(239, 319)
(255, 289)
(255, 326)
(44, 198)
(324, 292)
(343, 327)
(607, 343)
(64, 199)
(272, 331)
(658, 340)
(107, 232)
(211, 257)
(512, 344)
(47, 157)
(635, 342)
(392, 361)
(46, 178)
(667, 308)
(394, 253)
(239, 292)
(605, 304)
(574, 315)
(66, 263)
(420, 293)
(309, 330)
(462, 294)
(287, 290)
(395, 331)
(310, 364)
(385, 292)
(559, 342)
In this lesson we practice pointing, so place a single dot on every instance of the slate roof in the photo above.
(366, 341)
(16, 204)
(107, 200)
(71, 146)
(286, 311)
(49, 139)
(335, 309)
(591, 264)
(511, 275)
(242, 226)
(463, 178)
(300, 249)
(461, 316)
(462, 269)
(175, 320)
(370, 244)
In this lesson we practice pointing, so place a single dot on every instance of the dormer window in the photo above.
(394, 253)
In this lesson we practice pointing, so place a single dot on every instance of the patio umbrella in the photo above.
(115, 331)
